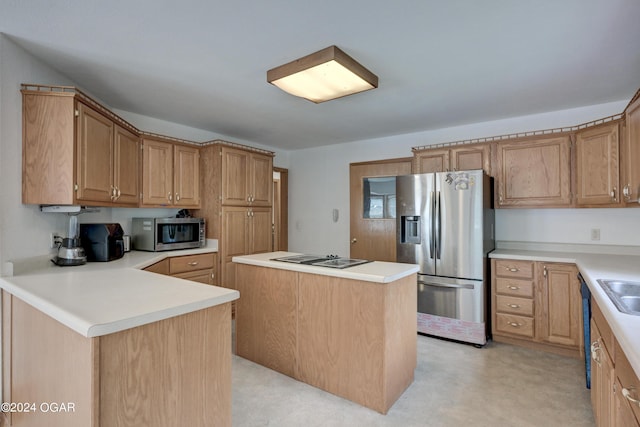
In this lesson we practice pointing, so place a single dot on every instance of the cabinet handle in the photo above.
(613, 194)
(192, 263)
(213, 276)
(514, 288)
(626, 392)
(118, 193)
(515, 324)
(512, 269)
(595, 347)
(626, 192)
(169, 197)
(177, 197)
(514, 305)
(500, 198)
(113, 193)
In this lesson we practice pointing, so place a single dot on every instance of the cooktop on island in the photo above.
(331, 261)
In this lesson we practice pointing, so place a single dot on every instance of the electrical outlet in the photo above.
(55, 239)
(595, 234)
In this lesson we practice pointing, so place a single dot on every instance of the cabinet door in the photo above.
(94, 156)
(261, 180)
(235, 177)
(261, 237)
(560, 305)
(631, 154)
(186, 176)
(623, 413)
(602, 380)
(431, 160)
(235, 241)
(597, 166)
(157, 173)
(534, 172)
(470, 157)
(126, 166)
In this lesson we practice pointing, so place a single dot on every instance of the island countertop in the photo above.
(102, 298)
(594, 266)
(375, 271)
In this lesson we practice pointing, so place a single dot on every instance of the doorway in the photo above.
(280, 211)
(372, 208)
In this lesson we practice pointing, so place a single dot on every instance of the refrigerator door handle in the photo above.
(445, 285)
(438, 228)
(432, 238)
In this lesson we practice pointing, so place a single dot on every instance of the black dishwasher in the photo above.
(586, 318)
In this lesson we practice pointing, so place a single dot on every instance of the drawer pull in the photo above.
(626, 392)
(514, 288)
(512, 269)
(514, 305)
(515, 324)
(192, 263)
(595, 348)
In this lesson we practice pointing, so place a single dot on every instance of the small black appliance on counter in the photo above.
(102, 242)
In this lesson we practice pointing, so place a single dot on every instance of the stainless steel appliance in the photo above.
(445, 224)
(165, 234)
(331, 261)
(102, 242)
(70, 252)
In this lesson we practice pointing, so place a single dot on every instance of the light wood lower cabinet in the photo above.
(537, 304)
(614, 384)
(352, 338)
(198, 268)
(174, 372)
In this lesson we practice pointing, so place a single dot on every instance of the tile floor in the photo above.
(455, 385)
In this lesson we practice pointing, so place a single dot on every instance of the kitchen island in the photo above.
(113, 345)
(351, 332)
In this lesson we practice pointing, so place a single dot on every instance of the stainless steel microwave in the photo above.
(167, 234)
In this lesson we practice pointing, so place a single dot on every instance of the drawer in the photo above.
(514, 268)
(186, 263)
(628, 380)
(514, 287)
(514, 325)
(200, 276)
(514, 305)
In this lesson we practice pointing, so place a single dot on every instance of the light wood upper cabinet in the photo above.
(597, 166)
(534, 172)
(74, 154)
(247, 178)
(170, 175)
(630, 154)
(462, 157)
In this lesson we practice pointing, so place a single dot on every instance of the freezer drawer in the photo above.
(453, 298)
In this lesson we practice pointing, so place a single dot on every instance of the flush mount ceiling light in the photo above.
(327, 74)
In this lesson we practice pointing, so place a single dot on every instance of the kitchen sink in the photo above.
(625, 295)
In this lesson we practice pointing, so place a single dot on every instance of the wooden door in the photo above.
(534, 172)
(471, 157)
(431, 160)
(261, 188)
(186, 176)
(126, 148)
(597, 170)
(373, 238)
(560, 305)
(235, 177)
(94, 156)
(602, 380)
(157, 173)
(631, 154)
(261, 230)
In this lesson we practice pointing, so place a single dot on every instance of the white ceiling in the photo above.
(203, 63)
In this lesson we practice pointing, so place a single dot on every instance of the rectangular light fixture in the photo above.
(324, 75)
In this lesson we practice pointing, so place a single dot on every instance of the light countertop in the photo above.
(376, 271)
(100, 298)
(595, 266)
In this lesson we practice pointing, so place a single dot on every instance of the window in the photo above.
(379, 197)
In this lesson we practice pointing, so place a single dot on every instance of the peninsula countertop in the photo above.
(594, 266)
(375, 271)
(100, 298)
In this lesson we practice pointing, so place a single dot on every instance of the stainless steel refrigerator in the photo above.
(445, 224)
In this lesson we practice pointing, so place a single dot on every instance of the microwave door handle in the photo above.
(445, 285)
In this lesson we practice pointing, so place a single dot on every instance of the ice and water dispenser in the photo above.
(410, 229)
